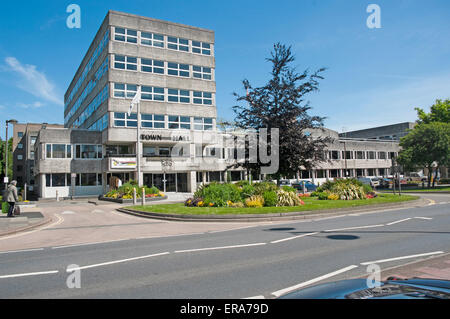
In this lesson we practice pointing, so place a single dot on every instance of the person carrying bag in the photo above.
(12, 197)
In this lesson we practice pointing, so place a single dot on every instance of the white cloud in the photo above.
(33, 81)
(30, 105)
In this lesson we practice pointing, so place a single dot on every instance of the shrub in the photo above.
(444, 181)
(242, 183)
(315, 194)
(262, 187)
(322, 196)
(270, 198)
(237, 205)
(288, 198)
(218, 193)
(289, 189)
(254, 201)
(333, 197)
(247, 191)
(367, 188)
(346, 189)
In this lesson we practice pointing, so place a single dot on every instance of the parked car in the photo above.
(310, 187)
(416, 177)
(285, 182)
(375, 182)
(393, 288)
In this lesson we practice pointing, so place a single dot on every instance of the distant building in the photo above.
(24, 139)
(386, 132)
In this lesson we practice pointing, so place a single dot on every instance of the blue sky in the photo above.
(374, 77)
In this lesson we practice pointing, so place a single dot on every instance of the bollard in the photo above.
(143, 196)
(134, 196)
(303, 187)
(57, 196)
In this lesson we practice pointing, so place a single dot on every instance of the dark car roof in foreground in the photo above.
(358, 289)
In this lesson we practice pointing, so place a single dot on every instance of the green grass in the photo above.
(310, 204)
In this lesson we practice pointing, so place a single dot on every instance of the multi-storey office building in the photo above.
(174, 66)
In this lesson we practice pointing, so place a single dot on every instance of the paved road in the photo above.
(222, 261)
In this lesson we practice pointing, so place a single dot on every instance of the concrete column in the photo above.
(204, 177)
(192, 181)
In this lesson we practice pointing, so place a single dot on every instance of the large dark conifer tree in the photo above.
(281, 104)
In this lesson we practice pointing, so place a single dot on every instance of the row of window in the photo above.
(89, 87)
(161, 41)
(98, 51)
(82, 151)
(100, 124)
(123, 62)
(151, 93)
(101, 97)
(64, 179)
(158, 121)
(337, 155)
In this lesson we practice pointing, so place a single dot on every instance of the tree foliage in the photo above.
(439, 112)
(281, 104)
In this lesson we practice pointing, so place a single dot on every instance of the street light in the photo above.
(6, 152)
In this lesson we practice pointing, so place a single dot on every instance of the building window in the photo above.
(204, 98)
(179, 96)
(19, 157)
(381, 155)
(125, 120)
(334, 155)
(203, 123)
(347, 154)
(58, 180)
(152, 121)
(371, 172)
(179, 122)
(201, 72)
(152, 93)
(359, 172)
(153, 66)
(125, 62)
(20, 146)
(391, 155)
(88, 151)
(201, 47)
(152, 39)
(149, 151)
(370, 155)
(125, 35)
(178, 44)
(320, 173)
(33, 140)
(360, 155)
(178, 69)
(125, 90)
(19, 134)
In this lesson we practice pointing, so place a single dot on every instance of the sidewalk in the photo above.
(29, 218)
(432, 268)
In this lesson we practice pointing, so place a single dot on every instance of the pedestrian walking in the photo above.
(11, 197)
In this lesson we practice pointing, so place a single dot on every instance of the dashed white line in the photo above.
(400, 258)
(398, 221)
(351, 228)
(426, 218)
(30, 274)
(117, 261)
(290, 238)
(280, 292)
(20, 251)
(255, 297)
(216, 248)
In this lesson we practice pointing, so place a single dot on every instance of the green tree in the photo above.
(427, 145)
(281, 104)
(2, 159)
(439, 112)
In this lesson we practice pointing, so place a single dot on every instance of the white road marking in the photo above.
(59, 221)
(255, 297)
(97, 211)
(117, 261)
(289, 238)
(20, 251)
(426, 218)
(67, 212)
(30, 274)
(398, 221)
(87, 244)
(216, 248)
(350, 228)
(400, 258)
(280, 292)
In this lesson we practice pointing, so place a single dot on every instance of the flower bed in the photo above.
(125, 193)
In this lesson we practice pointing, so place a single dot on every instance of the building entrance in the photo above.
(167, 182)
